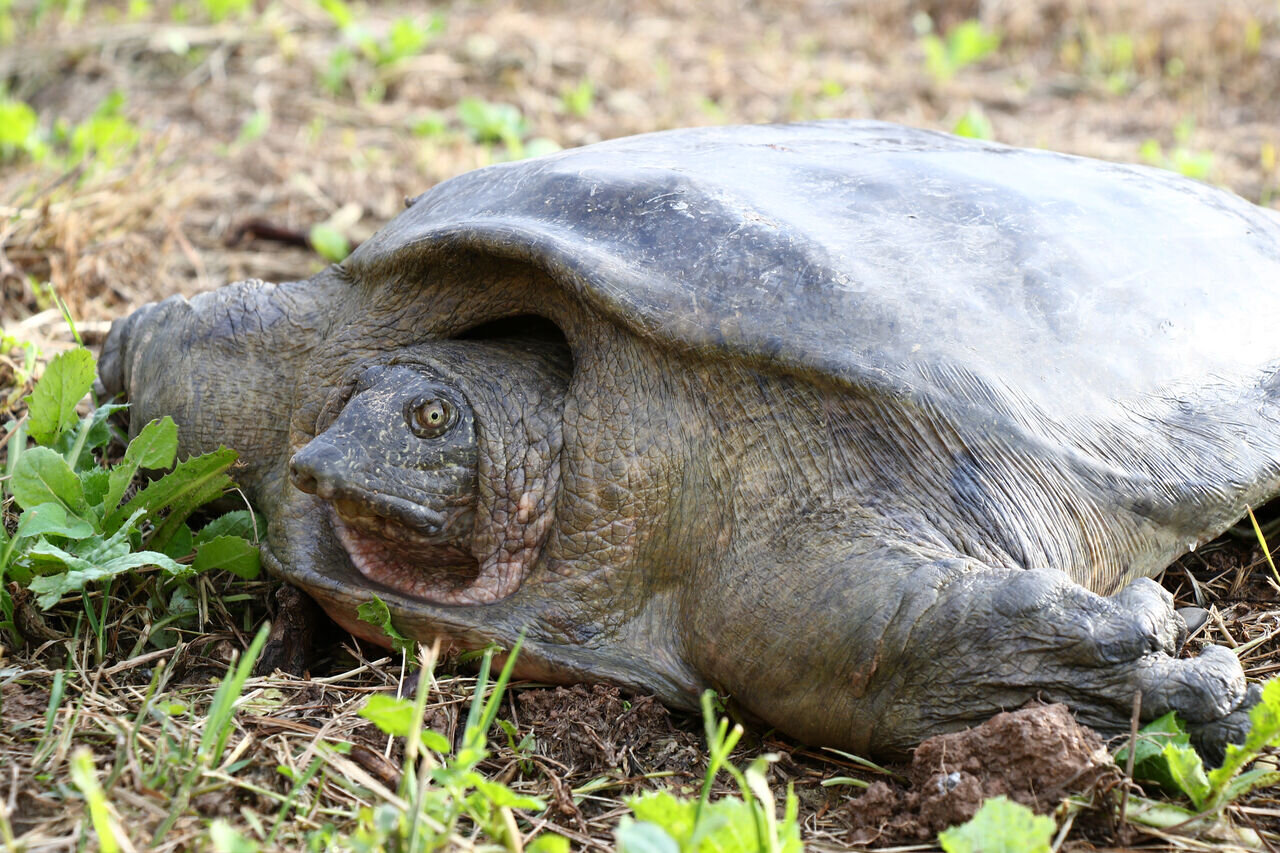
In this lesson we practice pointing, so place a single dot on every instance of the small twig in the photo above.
(1128, 765)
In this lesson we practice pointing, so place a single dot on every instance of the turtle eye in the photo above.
(430, 418)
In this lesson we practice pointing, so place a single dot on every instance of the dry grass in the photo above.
(158, 220)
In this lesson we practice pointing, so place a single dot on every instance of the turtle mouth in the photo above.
(402, 545)
(392, 518)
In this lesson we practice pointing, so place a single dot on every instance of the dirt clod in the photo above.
(1035, 756)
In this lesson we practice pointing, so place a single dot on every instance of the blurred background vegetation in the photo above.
(138, 137)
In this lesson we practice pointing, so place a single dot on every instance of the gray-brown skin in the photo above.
(878, 430)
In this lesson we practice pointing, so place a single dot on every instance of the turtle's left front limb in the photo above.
(914, 643)
(977, 640)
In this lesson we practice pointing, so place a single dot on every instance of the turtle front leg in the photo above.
(223, 364)
(989, 639)
(891, 644)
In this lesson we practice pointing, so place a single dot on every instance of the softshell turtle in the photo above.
(877, 430)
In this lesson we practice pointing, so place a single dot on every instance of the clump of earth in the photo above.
(1035, 756)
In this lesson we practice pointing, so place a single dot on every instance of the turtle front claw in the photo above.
(1210, 739)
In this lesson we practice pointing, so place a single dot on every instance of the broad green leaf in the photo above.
(97, 434)
(181, 544)
(665, 809)
(231, 553)
(51, 519)
(193, 482)
(238, 522)
(393, 716)
(18, 123)
(80, 571)
(1258, 777)
(225, 839)
(1264, 731)
(376, 612)
(1000, 826)
(52, 405)
(1149, 763)
(42, 476)
(643, 837)
(1187, 771)
(154, 447)
(727, 824)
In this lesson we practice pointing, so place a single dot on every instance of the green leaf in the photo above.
(94, 482)
(181, 544)
(154, 447)
(193, 482)
(43, 476)
(231, 553)
(52, 520)
(80, 571)
(643, 837)
(1187, 771)
(500, 795)
(52, 404)
(436, 742)
(1000, 826)
(974, 124)
(1264, 731)
(330, 243)
(376, 612)
(98, 434)
(548, 842)
(238, 522)
(393, 716)
(663, 808)
(1149, 764)
(17, 125)
(226, 839)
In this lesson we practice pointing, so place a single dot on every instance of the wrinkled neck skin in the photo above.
(579, 478)
(208, 361)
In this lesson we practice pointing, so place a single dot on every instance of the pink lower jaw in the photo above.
(412, 565)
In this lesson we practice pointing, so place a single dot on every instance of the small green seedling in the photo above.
(666, 822)
(974, 124)
(330, 243)
(1182, 159)
(504, 124)
(964, 44)
(440, 785)
(578, 100)
(1176, 766)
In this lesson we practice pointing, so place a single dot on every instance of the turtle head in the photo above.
(436, 470)
(397, 468)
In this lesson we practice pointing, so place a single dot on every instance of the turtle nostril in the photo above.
(304, 478)
(301, 478)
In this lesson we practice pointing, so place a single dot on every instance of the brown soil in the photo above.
(1034, 756)
(591, 729)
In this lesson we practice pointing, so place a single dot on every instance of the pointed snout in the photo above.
(317, 469)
